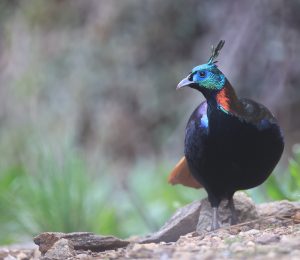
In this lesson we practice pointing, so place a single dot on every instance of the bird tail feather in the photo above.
(182, 175)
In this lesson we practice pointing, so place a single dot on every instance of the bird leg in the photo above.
(234, 218)
(215, 219)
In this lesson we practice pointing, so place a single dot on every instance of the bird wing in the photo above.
(181, 175)
(254, 112)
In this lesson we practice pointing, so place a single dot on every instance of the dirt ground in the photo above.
(275, 234)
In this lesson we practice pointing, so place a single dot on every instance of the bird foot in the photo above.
(215, 219)
(234, 217)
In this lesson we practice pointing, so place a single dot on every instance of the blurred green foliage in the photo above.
(50, 193)
(287, 185)
(58, 193)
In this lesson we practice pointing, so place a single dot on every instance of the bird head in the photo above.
(206, 77)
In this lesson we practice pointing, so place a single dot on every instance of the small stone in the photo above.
(46, 240)
(22, 256)
(62, 249)
(150, 246)
(83, 257)
(251, 232)
(296, 252)
(10, 257)
(250, 244)
(296, 217)
(231, 237)
(164, 256)
(234, 230)
(236, 247)
(267, 239)
(285, 238)
(277, 208)
(216, 242)
(137, 247)
(222, 233)
(284, 249)
(271, 254)
(3, 253)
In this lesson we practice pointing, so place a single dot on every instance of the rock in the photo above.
(252, 232)
(296, 217)
(267, 239)
(61, 249)
(18, 252)
(46, 240)
(250, 244)
(22, 256)
(237, 247)
(3, 253)
(80, 241)
(249, 233)
(245, 208)
(83, 257)
(270, 229)
(182, 222)
(185, 219)
(278, 208)
(9, 257)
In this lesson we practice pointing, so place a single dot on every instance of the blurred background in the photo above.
(91, 124)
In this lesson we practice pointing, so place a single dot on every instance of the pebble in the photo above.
(296, 217)
(271, 254)
(9, 257)
(237, 247)
(250, 243)
(267, 239)
(137, 247)
(216, 239)
(251, 232)
(22, 256)
(83, 257)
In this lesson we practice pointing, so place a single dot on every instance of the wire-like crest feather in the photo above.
(215, 52)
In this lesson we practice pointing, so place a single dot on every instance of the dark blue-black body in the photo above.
(229, 152)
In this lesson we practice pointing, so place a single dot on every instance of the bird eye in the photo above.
(202, 74)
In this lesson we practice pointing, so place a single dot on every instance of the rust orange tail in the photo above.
(181, 175)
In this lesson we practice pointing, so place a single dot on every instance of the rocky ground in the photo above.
(270, 230)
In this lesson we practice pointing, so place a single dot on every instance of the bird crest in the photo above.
(215, 52)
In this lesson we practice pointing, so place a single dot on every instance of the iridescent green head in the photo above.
(206, 76)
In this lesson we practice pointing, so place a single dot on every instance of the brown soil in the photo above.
(274, 234)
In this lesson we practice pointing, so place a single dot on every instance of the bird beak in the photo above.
(184, 83)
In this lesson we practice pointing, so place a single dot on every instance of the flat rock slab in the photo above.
(182, 222)
(283, 207)
(77, 241)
